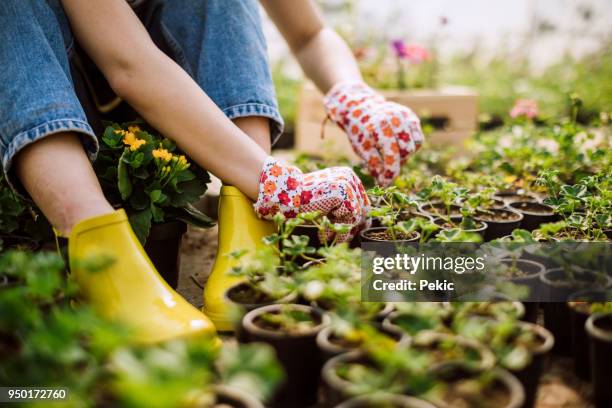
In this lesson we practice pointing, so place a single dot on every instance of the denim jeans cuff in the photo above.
(23, 139)
(259, 109)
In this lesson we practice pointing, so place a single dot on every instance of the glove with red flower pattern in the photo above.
(382, 133)
(335, 192)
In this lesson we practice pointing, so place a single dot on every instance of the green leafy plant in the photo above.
(19, 218)
(145, 174)
(50, 338)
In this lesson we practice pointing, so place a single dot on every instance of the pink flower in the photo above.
(411, 52)
(524, 107)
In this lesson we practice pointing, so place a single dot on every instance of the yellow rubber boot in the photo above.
(239, 228)
(130, 289)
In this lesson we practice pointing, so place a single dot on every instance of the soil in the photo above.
(447, 225)
(386, 236)
(533, 208)
(559, 386)
(522, 270)
(496, 215)
(247, 295)
(492, 397)
(512, 198)
(294, 329)
(439, 208)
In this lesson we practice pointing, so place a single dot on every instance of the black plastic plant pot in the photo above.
(579, 304)
(438, 209)
(501, 222)
(530, 375)
(534, 214)
(331, 345)
(311, 231)
(510, 197)
(297, 352)
(231, 397)
(529, 276)
(384, 400)
(163, 246)
(247, 298)
(382, 234)
(18, 242)
(557, 286)
(455, 222)
(335, 389)
(503, 391)
(599, 329)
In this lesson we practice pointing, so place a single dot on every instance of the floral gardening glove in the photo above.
(382, 133)
(335, 192)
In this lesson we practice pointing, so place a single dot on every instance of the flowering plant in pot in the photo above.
(149, 177)
(155, 184)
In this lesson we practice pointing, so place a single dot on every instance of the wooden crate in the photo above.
(455, 107)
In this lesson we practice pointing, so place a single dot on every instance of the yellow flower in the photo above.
(182, 162)
(162, 154)
(134, 128)
(131, 140)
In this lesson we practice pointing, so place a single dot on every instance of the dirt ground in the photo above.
(559, 387)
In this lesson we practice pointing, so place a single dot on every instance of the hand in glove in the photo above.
(335, 192)
(382, 133)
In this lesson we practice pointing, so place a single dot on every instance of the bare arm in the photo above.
(163, 93)
(323, 54)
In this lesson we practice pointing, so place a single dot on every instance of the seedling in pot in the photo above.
(291, 330)
(496, 388)
(264, 279)
(518, 346)
(334, 285)
(414, 317)
(387, 215)
(441, 198)
(382, 366)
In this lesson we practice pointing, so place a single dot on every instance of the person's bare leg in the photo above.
(60, 179)
(258, 129)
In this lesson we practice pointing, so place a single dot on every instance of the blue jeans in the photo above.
(218, 42)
